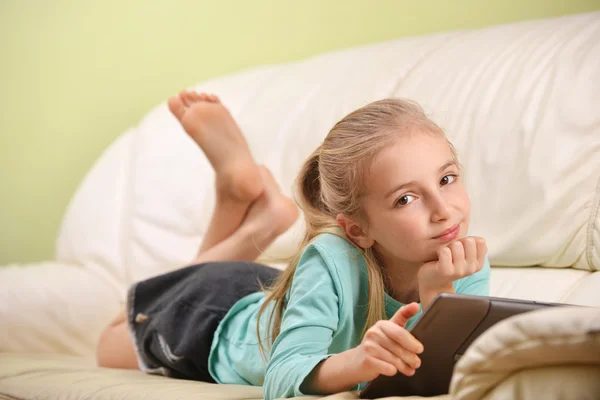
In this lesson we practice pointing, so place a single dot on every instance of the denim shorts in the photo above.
(172, 318)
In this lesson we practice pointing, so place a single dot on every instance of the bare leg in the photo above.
(238, 179)
(245, 192)
(115, 348)
(269, 216)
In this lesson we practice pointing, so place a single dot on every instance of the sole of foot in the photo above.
(208, 122)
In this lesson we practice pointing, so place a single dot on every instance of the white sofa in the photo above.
(521, 103)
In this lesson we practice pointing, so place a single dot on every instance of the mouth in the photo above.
(449, 234)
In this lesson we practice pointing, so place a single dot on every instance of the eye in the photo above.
(447, 179)
(404, 200)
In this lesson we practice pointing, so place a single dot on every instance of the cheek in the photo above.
(405, 226)
(402, 235)
(461, 198)
(411, 236)
(466, 203)
(463, 205)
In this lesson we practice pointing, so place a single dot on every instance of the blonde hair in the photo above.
(331, 183)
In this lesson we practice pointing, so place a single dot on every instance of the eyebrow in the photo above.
(398, 188)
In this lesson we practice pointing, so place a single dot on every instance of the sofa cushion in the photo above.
(554, 285)
(58, 377)
(52, 307)
(552, 353)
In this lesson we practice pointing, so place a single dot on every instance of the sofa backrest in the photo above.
(520, 102)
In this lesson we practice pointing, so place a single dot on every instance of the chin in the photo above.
(433, 255)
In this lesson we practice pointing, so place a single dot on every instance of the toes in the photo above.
(190, 97)
(209, 97)
(195, 96)
(176, 106)
(184, 96)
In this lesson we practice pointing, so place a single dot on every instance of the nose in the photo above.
(440, 209)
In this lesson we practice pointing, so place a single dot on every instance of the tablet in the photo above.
(446, 329)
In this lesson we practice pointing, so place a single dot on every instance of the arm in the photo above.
(308, 324)
(300, 362)
(386, 349)
(333, 375)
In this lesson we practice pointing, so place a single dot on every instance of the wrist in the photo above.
(354, 370)
(337, 373)
(428, 294)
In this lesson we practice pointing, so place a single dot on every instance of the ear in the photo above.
(354, 231)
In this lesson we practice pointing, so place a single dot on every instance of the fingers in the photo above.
(405, 313)
(457, 260)
(401, 336)
(381, 348)
(481, 251)
(468, 256)
(458, 254)
(445, 265)
(382, 367)
(470, 247)
(392, 345)
(475, 250)
(382, 354)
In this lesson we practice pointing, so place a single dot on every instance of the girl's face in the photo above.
(415, 201)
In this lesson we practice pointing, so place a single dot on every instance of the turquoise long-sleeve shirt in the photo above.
(325, 315)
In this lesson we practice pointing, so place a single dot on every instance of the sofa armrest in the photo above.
(548, 354)
(51, 307)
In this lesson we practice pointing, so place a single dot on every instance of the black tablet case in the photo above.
(446, 329)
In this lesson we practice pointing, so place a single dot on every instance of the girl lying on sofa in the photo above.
(387, 216)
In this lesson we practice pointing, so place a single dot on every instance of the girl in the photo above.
(387, 216)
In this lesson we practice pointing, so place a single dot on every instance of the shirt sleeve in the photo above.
(309, 321)
(477, 284)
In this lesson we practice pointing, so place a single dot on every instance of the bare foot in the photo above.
(209, 123)
(271, 214)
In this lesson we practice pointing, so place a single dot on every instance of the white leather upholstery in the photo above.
(54, 308)
(520, 103)
(553, 285)
(547, 354)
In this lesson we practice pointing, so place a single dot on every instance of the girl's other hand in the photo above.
(388, 348)
(459, 259)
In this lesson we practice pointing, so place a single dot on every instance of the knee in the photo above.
(104, 348)
(115, 348)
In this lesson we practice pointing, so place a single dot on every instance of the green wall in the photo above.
(75, 74)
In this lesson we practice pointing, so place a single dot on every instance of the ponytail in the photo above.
(318, 220)
(309, 185)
